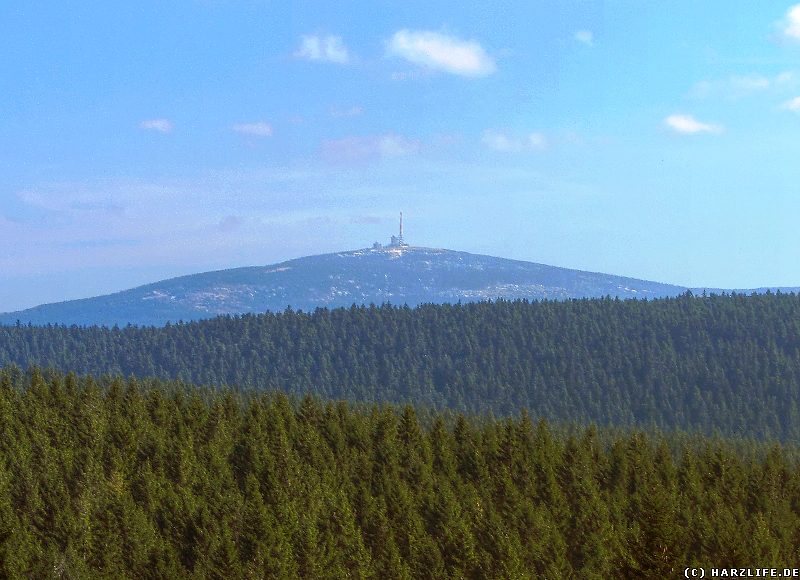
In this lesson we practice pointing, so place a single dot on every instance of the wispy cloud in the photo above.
(750, 83)
(409, 75)
(792, 105)
(688, 125)
(338, 113)
(738, 86)
(160, 125)
(365, 148)
(259, 129)
(505, 143)
(791, 23)
(585, 37)
(499, 141)
(323, 49)
(438, 51)
(537, 141)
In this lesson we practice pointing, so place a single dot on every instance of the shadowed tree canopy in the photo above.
(727, 363)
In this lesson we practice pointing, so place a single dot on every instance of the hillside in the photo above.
(399, 275)
(727, 363)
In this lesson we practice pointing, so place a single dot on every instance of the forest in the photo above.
(106, 477)
(727, 364)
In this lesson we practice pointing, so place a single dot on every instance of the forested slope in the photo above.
(730, 363)
(114, 479)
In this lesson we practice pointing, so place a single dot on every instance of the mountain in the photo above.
(398, 274)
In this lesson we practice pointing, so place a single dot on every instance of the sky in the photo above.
(146, 140)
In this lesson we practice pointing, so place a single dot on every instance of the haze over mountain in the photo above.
(399, 274)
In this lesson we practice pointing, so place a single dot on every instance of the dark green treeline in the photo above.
(107, 478)
(727, 363)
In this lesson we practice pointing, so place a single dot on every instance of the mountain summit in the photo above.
(398, 273)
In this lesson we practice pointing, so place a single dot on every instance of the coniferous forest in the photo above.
(113, 478)
(578, 439)
(727, 364)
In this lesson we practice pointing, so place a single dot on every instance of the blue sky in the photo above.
(145, 140)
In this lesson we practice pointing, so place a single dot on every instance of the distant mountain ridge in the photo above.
(399, 274)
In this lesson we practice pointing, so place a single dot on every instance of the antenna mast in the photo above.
(397, 241)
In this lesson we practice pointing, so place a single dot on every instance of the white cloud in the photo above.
(505, 143)
(323, 48)
(537, 141)
(364, 148)
(792, 104)
(499, 141)
(738, 86)
(585, 37)
(791, 23)
(259, 129)
(354, 111)
(409, 75)
(438, 51)
(160, 125)
(392, 145)
(750, 83)
(688, 125)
